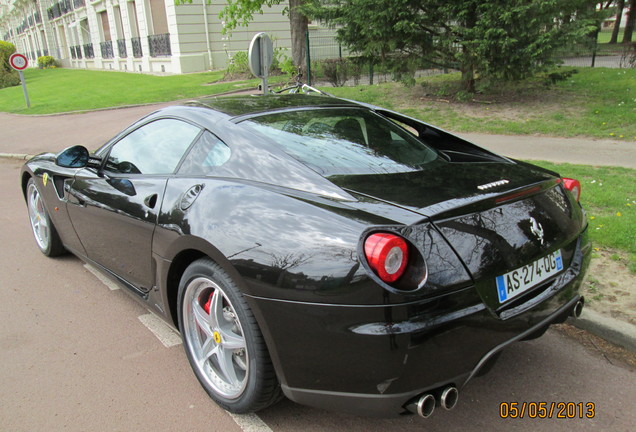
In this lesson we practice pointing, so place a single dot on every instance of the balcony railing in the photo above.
(22, 27)
(107, 49)
(76, 52)
(88, 51)
(159, 45)
(66, 6)
(136, 45)
(61, 8)
(121, 48)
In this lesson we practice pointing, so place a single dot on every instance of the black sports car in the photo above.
(340, 254)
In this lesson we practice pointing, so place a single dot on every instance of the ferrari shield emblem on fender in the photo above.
(45, 178)
(536, 229)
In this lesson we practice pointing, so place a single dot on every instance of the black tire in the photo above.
(46, 237)
(225, 348)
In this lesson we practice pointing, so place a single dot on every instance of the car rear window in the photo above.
(344, 141)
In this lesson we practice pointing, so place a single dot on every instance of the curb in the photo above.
(612, 330)
(19, 156)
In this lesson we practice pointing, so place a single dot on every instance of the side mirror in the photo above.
(72, 157)
(76, 157)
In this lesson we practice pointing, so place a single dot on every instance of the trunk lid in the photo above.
(445, 186)
(498, 217)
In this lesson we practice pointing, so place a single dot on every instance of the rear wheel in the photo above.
(223, 342)
(46, 236)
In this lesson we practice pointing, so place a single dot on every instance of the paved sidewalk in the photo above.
(572, 150)
(22, 135)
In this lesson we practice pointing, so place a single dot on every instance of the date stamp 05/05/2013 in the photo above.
(547, 410)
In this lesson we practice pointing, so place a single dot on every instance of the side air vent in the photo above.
(190, 196)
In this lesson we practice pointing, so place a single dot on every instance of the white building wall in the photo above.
(191, 50)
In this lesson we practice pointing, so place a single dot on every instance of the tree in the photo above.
(8, 76)
(500, 39)
(631, 22)
(620, 5)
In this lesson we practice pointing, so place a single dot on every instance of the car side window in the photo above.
(206, 154)
(155, 148)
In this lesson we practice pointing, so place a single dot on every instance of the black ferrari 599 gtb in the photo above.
(343, 255)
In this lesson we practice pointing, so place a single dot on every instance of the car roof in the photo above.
(236, 106)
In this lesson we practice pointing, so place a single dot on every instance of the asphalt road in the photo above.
(77, 356)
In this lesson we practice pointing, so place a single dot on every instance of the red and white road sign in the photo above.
(18, 61)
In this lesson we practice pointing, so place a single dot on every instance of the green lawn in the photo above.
(594, 102)
(609, 197)
(605, 35)
(63, 90)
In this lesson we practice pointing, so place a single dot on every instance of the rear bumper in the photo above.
(385, 405)
(372, 360)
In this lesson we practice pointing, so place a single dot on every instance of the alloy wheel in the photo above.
(38, 217)
(215, 338)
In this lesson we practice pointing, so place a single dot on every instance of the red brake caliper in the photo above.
(206, 307)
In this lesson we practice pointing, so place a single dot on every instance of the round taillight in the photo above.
(573, 186)
(387, 255)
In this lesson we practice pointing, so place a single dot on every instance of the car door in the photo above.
(114, 209)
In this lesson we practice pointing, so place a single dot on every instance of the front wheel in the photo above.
(44, 231)
(223, 342)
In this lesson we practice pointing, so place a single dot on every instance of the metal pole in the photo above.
(308, 56)
(261, 45)
(595, 47)
(26, 94)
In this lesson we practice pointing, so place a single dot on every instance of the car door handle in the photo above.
(151, 201)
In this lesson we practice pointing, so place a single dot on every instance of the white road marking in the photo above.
(250, 422)
(109, 283)
(164, 333)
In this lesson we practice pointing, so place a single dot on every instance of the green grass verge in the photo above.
(593, 102)
(609, 197)
(63, 90)
(604, 36)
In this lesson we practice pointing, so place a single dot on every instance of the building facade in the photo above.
(148, 36)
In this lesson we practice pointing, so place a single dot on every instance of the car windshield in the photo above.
(344, 141)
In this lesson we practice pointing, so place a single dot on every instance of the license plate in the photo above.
(513, 283)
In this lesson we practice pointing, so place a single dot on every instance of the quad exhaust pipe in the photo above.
(448, 398)
(578, 308)
(424, 405)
